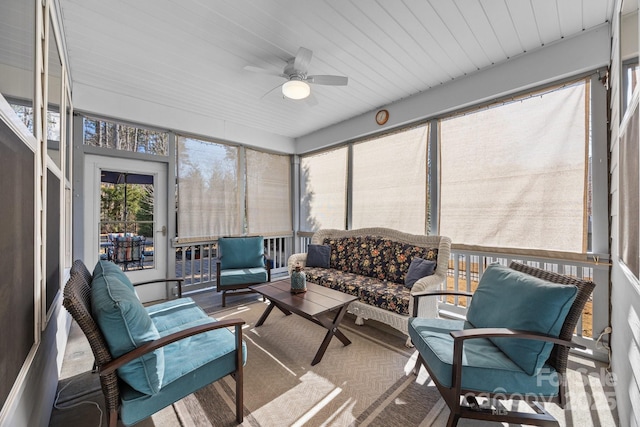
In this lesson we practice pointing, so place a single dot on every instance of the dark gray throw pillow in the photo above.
(318, 256)
(418, 269)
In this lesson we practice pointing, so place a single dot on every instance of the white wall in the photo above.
(625, 288)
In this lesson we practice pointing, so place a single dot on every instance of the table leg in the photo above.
(268, 310)
(332, 330)
(264, 315)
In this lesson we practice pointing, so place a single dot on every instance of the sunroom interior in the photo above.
(511, 127)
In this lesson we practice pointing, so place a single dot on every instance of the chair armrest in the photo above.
(164, 280)
(459, 336)
(417, 295)
(176, 336)
(294, 259)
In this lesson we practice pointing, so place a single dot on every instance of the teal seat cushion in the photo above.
(126, 325)
(484, 366)
(190, 364)
(507, 298)
(242, 276)
(109, 268)
(241, 252)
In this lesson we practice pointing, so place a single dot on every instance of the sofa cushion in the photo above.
(390, 296)
(418, 269)
(379, 293)
(241, 252)
(126, 325)
(318, 256)
(511, 299)
(484, 366)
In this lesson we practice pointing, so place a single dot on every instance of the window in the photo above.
(630, 76)
(219, 196)
(390, 181)
(515, 175)
(119, 136)
(629, 191)
(210, 190)
(323, 182)
(18, 57)
(268, 193)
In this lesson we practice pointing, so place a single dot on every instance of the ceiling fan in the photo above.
(298, 80)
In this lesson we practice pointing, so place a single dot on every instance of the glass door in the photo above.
(127, 200)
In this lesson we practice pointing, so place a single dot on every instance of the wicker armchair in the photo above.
(495, 376)
(118, 394)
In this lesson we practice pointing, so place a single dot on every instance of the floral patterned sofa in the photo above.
(372, 264)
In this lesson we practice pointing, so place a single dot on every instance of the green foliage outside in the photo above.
(134, 216)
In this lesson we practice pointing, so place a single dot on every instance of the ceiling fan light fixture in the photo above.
(296, 89)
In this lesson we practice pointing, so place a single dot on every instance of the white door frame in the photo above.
(93, 165)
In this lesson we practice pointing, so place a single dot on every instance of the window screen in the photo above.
(323, 182)
(390, 182)
(210, 196)
(514, 175)
(629, 191)
(268, 193)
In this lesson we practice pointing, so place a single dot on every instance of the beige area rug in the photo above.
(367, 383)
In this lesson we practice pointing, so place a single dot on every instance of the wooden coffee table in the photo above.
(310, 305)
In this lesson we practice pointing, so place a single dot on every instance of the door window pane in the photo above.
(126, 219)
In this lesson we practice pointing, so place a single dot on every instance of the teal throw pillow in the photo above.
(418, 269)
(241, 252)
(126, 325)
(507, 298)
(109, 268)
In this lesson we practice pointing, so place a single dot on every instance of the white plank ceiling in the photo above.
(191, 54)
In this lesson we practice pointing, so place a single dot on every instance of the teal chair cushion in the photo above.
(507, 298)
(243, 276)
(109, 268)
(241, 252)
(190, 363)
(484, 366)
(126, 325)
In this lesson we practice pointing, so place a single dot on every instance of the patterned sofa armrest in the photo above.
(294, 259)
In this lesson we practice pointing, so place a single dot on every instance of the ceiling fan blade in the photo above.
(263, 71)
(270, 90)
(303, 58)
(328, 80)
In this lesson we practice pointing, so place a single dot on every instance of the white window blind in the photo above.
(514, 175)
(210, 196)
(268, 193)
(390, 182)
(324, 190)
